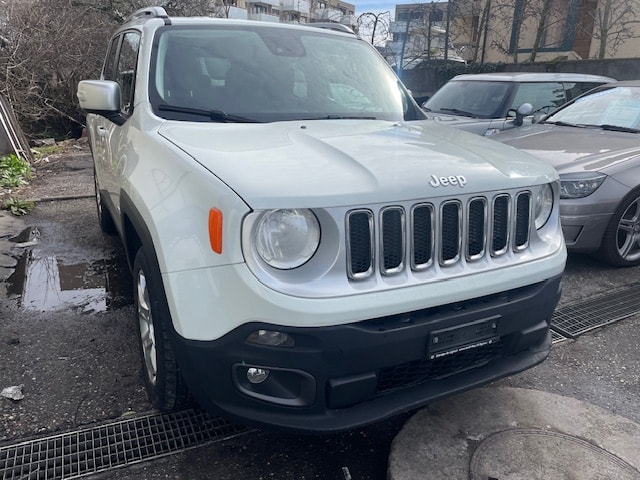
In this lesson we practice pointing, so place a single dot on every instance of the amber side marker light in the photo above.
(215, 230)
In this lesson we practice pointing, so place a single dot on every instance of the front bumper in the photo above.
(584, 220)
(344, 376)
(583, 233)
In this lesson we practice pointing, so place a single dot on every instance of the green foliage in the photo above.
(18, 207)
(14, 171)
(40, 152)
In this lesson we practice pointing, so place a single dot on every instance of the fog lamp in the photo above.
(257, 375)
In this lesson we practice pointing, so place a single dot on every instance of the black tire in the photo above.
(165, 386)
(105, 219)
(621, 241)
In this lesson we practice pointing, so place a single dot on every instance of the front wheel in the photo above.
(621, 241)
(165, 386)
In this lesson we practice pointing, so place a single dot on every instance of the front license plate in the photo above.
(449, 341)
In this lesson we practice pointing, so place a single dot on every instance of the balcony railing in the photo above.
(301, 6)
(330, 14)
(263, 17)
(271, 3)
(235, 13)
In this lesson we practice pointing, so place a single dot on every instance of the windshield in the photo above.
(259, 73)
(605, 106)
(476, 99)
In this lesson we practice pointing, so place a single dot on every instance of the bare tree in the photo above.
(375, 26)
(426, 34)
(507, 24)
(221, 8)
(483, 30)
(49, 45)
(549, 15)
(614, 22)
(189, 7)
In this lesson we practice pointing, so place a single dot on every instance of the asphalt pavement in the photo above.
(576, 416)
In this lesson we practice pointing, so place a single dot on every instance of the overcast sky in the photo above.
(363, 6)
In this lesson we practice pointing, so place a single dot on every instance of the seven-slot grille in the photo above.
(395, 237)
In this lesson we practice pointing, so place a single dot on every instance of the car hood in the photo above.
(571, 149)
(325, 163)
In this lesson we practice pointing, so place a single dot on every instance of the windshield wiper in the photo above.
(618, 128)
(560, 123)
(338, 117)
(455, 111)
(214, 115)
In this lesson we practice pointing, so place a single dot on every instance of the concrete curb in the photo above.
(63, 197)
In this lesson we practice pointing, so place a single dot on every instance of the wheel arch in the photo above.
(135, 233)
(606, 250)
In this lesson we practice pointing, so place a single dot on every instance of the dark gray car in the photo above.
(488, 103)
(594, 144)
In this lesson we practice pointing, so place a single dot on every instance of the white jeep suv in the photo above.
(308, 250)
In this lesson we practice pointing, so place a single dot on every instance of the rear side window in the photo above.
(575, 89)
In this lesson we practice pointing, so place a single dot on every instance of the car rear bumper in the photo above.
(342, 377)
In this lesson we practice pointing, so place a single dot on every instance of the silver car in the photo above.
(594, 144)
(488, 103)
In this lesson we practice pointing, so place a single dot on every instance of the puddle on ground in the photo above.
(44, 283)
(27, 238)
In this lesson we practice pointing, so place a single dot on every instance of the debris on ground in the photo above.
(13, 393)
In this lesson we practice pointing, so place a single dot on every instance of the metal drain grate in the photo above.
(92, 450)
(574, 320)
(557, 337)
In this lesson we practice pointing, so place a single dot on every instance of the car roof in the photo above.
(626, 83)
(533, 77)
(144, 15)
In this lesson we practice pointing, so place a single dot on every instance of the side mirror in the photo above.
(523, 110)
(101, 97)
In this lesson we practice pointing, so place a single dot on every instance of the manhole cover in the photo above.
(523, 454)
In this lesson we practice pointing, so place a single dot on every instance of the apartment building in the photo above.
(543, 30)
(515, 30)
(289, 11)
(420, 32)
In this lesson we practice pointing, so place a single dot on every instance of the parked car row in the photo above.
(488, 103)
(591, 140)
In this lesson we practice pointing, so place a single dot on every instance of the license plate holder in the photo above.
(452, 340)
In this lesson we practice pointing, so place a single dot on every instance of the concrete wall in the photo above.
(423, 82)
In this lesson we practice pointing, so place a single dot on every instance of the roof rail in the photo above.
(148, 12)
(338, 27)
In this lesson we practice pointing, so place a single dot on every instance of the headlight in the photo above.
(580, 185)
(286, 239)
(544, 205)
